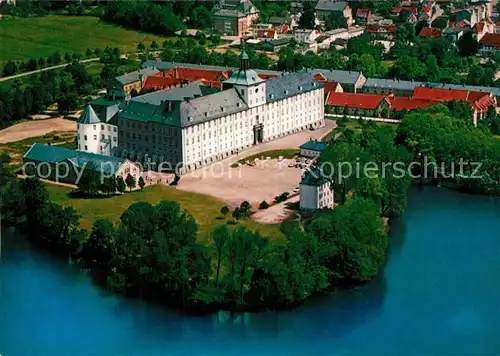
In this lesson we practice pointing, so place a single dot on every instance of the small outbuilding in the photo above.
(312, 148)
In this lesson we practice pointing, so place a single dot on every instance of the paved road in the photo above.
(45, 69)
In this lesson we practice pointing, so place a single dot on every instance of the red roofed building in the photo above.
(480, 101)
(332, 86)
(381, 29)
(481, 28)
(192, 74)
(362, 16)
(399, 103)
(269, 34)
(154, 82)
(429, 32)
(368, 105)
(398, 10)
(490, 42)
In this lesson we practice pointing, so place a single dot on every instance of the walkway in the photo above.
(255, 184)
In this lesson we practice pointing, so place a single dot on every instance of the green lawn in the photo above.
(205, 209)
(24, 38)
(286, 153)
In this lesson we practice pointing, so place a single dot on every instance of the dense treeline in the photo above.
(445, 140)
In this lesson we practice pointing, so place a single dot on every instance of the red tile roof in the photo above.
(265, 33)
(154, 82)
(363, 13)
(426, 8)
(354, 101)
(490, 40)
(192, 74)
(479, 100)
(478, 27)
(381, 28)
(329, 86)
(430, 32)
(212, 84)
(399, 103)
(411, 9)
(319, 76)
(267, 76)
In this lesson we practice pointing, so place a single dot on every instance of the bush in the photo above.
(176, 180)
(282, 197)
(231, 222)
(263, 205)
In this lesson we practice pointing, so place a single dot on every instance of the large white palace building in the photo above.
(194, 125)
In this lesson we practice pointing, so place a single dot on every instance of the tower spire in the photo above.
(244, 60)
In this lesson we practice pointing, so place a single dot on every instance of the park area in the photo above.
(34, 37)
(205, 209)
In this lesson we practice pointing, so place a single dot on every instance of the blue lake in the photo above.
(438, 294)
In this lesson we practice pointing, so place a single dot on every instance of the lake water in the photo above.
(438, 294)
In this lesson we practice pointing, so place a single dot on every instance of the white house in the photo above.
(315, 191)
(305, 36)
(97, 129)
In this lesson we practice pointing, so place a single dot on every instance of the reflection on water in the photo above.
(435, 295)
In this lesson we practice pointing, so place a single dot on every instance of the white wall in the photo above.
(90, 138)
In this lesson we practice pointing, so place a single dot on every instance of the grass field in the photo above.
(205, 209)
(24, 38)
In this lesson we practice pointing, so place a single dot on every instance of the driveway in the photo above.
(264, 181)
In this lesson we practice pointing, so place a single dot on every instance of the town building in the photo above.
(364, 105)
(234, 18)
(66, 166)
(390, 86)
(312, 148)
(479, 101)
(489, 44)
(315, 191)
(132, 81)
(193, 126)
(429, 32)
(325, 7)
(362, 16)
(481, 28)
(351, 81)
(97, 130)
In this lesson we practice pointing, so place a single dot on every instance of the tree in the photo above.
(120, 184)
(220, 236)
(141, 47)
(224, 210)
(10, 68)
(263, 205)
(41, 61)
(55, 58)
(67, 102)
(141, 183)
(441, 22)
(307, 20)
(109, 185)
(237, 213)
(154, 45)
(201, 17)
(90, 180)
(88, 53)
(130, 181)
(67, 57)
(97, 250)
(467, 45)
(32, 64)
(335, 20)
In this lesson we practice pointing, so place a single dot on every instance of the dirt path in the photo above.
(29, 129)
(276, 213)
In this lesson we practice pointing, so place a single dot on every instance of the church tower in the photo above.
(249, 85)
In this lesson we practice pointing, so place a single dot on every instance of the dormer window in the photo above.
(256, 90)
(190, 118)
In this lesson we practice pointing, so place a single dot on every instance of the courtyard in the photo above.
(264, 181)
